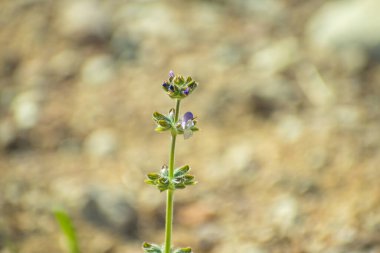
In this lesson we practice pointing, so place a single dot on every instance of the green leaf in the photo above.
(161, 129)
(181, 171)
(151, 248)
(179, 186)
(151, 182)
(162, 187)
(194, 129)
(192, 85)
(158, 116)
(190, 182)
(67, 229)
(189, 79)
(153, 176)
(183, 250)
(164, 123)
(163, 181)
(188, 177)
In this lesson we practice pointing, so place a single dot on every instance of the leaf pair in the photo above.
(180, 180)
(154, 248)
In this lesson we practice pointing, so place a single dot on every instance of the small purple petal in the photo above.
(165, 85)
(188, 116)
(171, 87)
(186, 91)
(171, 74)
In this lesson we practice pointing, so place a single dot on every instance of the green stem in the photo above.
(170, 193)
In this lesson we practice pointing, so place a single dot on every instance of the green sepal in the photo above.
(160, 180)
(183, 250)
(163, 181)
(187, 183)
(179, 80)
(188, 177)
(181, 171)
(162, 188)
(193, 85)
(160, 129)
(189, 80)
(181, 178)
(194, 129)
(180, 186)
(153, 176)
(151, 248)
(151, 182)
(158, 116)
(164, 123)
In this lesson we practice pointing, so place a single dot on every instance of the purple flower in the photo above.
(165, 85)
(187, 123)
(186, 117)
(186, 91)
(171, 88)
(171, 74)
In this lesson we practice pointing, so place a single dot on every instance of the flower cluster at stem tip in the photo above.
(177, 87)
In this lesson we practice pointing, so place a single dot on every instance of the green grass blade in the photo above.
(67, 230)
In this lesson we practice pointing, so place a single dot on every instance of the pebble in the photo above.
(272, 96)
(65, 63)
(111, 210)
(98, 70)
(101, 142)
(290, 128)
(153, 20)
(25, 110)
(82, 20)
(285, 212)
(339, 24)
(276, 57)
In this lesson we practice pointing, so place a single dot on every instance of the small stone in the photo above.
(101, 142)
(25, 110)
(111, 210)
(276, 57)
(290, 129)
(210, 235)
(84, 20)
(239, 156)
(285, 212)
(65, 64)
(318, 158)
(98, 70)
(274, 96)
(340, 24)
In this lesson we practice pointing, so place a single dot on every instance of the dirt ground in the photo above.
(288, 103)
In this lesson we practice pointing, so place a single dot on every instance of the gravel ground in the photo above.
(288, 105)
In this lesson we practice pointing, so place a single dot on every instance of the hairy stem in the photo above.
(170, 193)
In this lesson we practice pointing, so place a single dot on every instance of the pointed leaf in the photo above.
(151, 248)
(183, 250)
(188, 177)
(161, 129)
(181, 171)
(153, 176)
(190, 182)
(164, 123)
(151, 182)
(158, 116)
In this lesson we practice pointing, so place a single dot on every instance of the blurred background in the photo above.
(288, 105)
